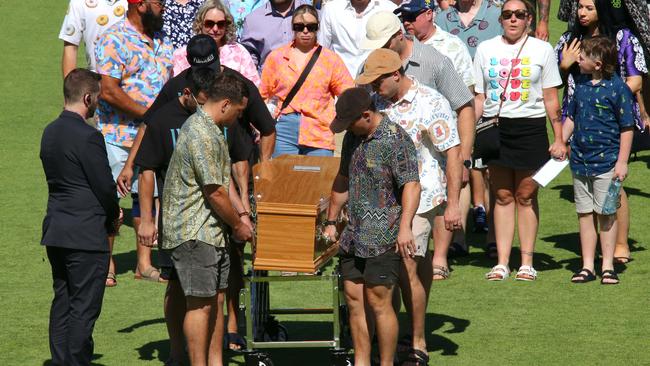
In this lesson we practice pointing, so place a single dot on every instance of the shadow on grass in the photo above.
(316, 330)
(141, 324)
(541, 261)
(95, 357)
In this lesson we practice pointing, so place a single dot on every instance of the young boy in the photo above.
(600, 116)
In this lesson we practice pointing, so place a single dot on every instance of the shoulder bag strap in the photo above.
(503, 94)
(301, 79)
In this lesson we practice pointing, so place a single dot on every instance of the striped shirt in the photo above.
(436, 71)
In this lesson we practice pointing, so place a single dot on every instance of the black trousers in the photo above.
(79, 279)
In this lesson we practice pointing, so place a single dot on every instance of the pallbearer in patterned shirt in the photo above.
(378, 177)
(428, 119)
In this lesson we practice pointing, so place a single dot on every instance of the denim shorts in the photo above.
(287, 133)
(202, 268)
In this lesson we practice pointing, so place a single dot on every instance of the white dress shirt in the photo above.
(342, 29)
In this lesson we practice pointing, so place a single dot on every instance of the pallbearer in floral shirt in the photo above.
(428, 119)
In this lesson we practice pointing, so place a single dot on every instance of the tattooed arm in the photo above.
(543, 8)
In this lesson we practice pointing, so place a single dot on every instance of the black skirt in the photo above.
(524, 143)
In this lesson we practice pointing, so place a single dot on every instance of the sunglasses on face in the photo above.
(377, 82)
(410, 16)
(299, 27)
(519, 14)
(209, 24)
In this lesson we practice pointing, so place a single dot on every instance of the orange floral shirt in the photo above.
(315, 100)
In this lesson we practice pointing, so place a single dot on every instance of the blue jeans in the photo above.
(287, 130)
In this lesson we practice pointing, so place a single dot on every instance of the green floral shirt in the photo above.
(200, 159)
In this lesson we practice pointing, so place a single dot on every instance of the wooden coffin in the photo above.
(292, 196)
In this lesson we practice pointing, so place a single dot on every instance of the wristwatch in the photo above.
(329, 222)
(467, 163)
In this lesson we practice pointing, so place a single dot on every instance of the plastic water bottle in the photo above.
(611, 200)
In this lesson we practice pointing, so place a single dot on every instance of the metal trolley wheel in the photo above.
(257, 358)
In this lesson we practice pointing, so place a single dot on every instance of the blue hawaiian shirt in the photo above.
(600, 112)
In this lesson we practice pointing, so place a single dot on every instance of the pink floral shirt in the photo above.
(232, 55)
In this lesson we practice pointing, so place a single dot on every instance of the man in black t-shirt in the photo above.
(153, 156)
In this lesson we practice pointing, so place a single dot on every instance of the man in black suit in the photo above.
(82, 210)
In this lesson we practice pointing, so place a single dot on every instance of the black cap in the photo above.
(349, 107)
(202, 51)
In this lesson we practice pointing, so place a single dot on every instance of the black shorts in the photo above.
(382, 270)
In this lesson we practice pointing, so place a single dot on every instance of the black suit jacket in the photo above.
(82, 202)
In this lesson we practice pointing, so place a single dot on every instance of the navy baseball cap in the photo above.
(414, 6)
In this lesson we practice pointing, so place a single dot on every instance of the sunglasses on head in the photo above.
(299, 27)
(519, 14)
(209, 24)
(407, 16)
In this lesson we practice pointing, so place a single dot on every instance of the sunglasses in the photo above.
(519, 13)
(377, 82)
(209, 24)
(410, 17)
(299, 27)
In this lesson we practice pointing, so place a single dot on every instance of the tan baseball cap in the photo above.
(379, 62)
(380, 27)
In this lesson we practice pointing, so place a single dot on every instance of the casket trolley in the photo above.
(291, 199)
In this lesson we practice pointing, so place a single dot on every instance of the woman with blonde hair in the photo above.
(214, 19)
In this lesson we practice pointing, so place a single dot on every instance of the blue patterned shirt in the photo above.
(377, 167)
(599, 111)
(485, 25)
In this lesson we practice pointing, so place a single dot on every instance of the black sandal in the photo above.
(609, 275)
(416, 357)
(234, 339)
(583, 276)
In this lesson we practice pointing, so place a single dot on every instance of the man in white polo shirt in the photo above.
(428, 119)
(87, 19)
(343, 27)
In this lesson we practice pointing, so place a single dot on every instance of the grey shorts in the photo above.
(590, 192)
(202, 268)
(422, 226)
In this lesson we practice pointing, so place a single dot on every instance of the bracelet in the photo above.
(329, 222)
(245, 213)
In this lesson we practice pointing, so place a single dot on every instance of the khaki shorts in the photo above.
(590, 192)
(422, 226)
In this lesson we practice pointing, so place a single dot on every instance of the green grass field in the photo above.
(470, 321)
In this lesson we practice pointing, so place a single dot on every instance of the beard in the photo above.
(152, 22)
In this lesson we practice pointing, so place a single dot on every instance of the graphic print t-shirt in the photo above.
(535, 69)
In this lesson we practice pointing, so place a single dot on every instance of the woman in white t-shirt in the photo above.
(517, 79)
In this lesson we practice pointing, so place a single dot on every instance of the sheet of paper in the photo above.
(549, 171)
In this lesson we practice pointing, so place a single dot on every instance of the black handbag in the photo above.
(487, 142)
